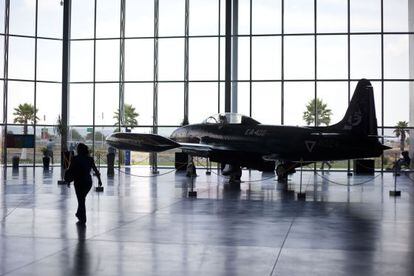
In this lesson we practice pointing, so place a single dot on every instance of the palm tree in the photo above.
(25, 113)
(401, 131)
(323, 113)
(130, 116)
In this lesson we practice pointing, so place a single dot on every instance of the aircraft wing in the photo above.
(155, 143)
(140, 142)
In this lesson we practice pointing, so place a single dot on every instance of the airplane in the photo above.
(237, 141)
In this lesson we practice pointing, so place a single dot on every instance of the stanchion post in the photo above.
(396, 167)
(208, 170)
(192, 193)
(301, 196)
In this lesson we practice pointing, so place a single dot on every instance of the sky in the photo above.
(203, 58)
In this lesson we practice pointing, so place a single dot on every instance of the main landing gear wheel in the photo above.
(234, 171)
(282, 173)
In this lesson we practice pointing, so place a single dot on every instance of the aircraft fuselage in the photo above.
(249, 144)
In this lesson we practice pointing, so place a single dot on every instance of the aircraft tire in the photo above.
(281, 172)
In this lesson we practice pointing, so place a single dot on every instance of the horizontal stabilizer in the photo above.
(140, 142)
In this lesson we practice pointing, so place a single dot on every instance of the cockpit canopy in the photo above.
(230, 118)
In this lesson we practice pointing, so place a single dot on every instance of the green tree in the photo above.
(323, 113)
(76, 136)
(98, 136)
(401, 131)
(130, 116)
(25, 113)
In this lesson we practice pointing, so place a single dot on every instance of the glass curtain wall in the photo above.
(161, 63)
(31, 55)
(293, 52)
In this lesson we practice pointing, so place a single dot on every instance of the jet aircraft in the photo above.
(237, 141)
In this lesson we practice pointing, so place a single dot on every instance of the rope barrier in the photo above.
(347, 184)
(146, 176)
(245, 181)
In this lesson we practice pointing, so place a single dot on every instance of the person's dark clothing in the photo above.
(80, 168)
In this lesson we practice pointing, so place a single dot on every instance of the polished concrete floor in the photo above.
(144, 225)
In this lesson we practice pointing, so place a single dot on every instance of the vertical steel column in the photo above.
(349, 63)
(235, 49)
(121, 104)
(154, 163)
(94, 80)
(250, 58)
(219, 57)
(315, 37)
(282, 63)
(67, 5)
(186, 49)
(382, 82)
(411, 73)
(227, 98)
(122, 63)
(35, 83)
(5, 77)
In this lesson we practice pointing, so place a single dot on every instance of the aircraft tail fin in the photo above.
(360, 118)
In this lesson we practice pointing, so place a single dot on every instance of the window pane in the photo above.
(203, 59)
(22, 17)
(244, 16)
(365, 16)
(106, 103)
(243, 98)
(396, 56)
(50, 18)
(299, 16)
(49, 60)
(332, 57)
(396, 16)
(21, 58)
(332, 16)
(80, 104)
(365, 57)
(1, 103)
(266, 107)
(299, 57)
(171, 59)
(139, 59)
(335, 96)
(203, 17)
(107, 18)
(82, 18)
(396, 103)
(170, 103)
(81, 61)
(48, 102)
(43, 134)
(140, 96)
(266, 58)
(1, 55)
(171, 17)
(297, 96)
(243, 62)
(203, 101)
(2, 7)
(139, 16)
(18, 93)
(267, 16)
(107, 60)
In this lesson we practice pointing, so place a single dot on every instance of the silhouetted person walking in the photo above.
(80, 169)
